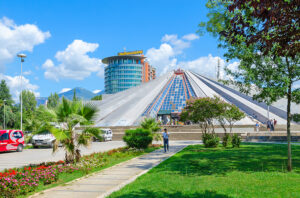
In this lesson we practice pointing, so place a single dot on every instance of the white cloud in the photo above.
(27, 73)
(177, 44)
(48, 64)
(17, 38)
(165, 57)
(97, 91)
(64, 90)
(74, 63)
(208, 66)
(101, 72)
(190, 37)
(296, 85)
(14, 84)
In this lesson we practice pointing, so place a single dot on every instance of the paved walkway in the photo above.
(36, 156)
(109, 180)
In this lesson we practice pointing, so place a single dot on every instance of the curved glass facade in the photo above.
(122, 72)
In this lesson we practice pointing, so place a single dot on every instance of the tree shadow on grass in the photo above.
(143, 193)
(198, 160)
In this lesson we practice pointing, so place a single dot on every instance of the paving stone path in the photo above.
(114, 178)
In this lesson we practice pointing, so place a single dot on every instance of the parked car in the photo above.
(11, 140)
(45, 139)
(106, 135)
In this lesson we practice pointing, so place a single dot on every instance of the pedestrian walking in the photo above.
(257, 127)
(275, 122)
(166, 140)
(269, 125)
(272, 125)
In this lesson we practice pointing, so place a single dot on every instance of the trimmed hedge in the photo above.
(210, 140)
(138, 138)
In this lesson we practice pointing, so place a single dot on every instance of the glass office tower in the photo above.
(123, 72)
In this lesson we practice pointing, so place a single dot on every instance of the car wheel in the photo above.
(20, 148)
(35, 146)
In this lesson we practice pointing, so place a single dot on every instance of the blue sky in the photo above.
(66, 40)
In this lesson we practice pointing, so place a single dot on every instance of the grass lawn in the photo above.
(254, 170)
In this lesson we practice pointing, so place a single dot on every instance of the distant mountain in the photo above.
(99, 93)
(81, 93)
(41, 100)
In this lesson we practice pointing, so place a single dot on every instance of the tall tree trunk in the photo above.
(289, 116)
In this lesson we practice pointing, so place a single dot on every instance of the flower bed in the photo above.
(15, 182)
(22, 181)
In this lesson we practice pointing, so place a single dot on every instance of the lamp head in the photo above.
(21, 55)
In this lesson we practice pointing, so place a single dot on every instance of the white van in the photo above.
(107, 135)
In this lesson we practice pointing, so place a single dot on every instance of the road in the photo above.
(35, 156)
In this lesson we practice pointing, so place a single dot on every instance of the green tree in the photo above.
(29, 103)
(71, 114)
(266, 45)
(6, 100)
(151, 125)
(203, 111)
(99, 97)
(29, 107)
(74, 95)
(53, 100)
(232, 114)
(5, 94)
(41, 116)
(10, 117)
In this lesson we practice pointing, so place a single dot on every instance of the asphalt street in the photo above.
(35, 156)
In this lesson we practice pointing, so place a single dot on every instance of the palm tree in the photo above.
(152, 125)
(69, 115)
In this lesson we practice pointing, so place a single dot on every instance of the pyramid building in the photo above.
(165, 97)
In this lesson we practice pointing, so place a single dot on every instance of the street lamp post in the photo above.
(4, 115)
(22, 56)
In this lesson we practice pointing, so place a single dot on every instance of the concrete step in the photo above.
(259, 136)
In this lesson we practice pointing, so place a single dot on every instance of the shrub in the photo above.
(137, 138)
(236, 141)
(226, 140)
(210, 140)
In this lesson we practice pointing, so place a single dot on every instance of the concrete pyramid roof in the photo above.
(169, 92)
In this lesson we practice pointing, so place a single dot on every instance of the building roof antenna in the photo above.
(219, 67)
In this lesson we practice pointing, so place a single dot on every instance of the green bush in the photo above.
(226, 141)
(138, 138)
(236, 141)
(210, 140)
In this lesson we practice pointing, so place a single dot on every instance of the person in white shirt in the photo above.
(166, 140)
(257, 127)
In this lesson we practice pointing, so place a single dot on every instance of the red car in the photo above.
(11, 140)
